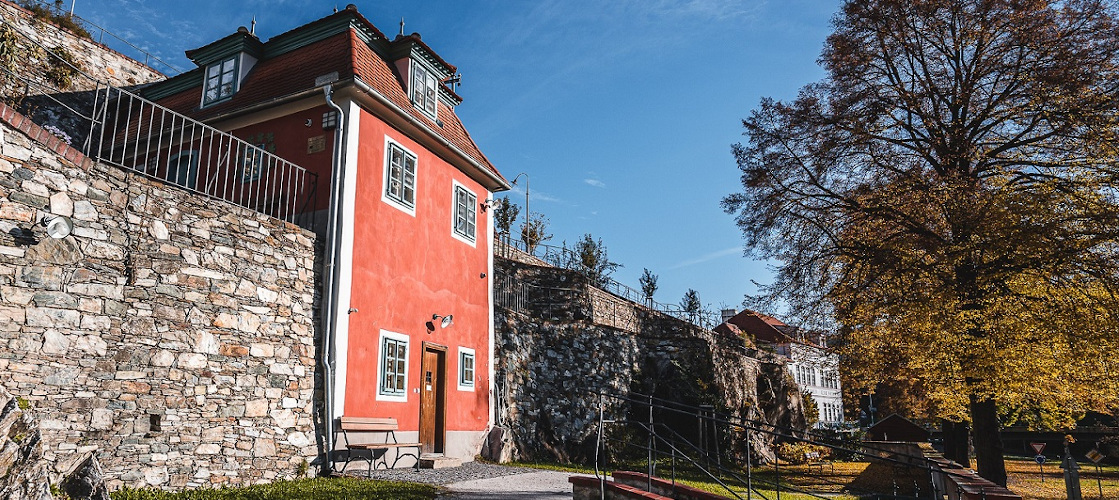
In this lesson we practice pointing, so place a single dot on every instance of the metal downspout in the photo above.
(330, 283)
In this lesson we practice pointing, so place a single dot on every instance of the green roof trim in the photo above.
(172, 86)
(241, 41)
(320, 30)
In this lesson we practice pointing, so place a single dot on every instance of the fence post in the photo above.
(749, 467)
(652, 433)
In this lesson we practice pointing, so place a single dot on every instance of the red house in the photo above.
(395, 187)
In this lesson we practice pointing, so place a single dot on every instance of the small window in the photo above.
(400, 176)
(423, 90)
(466, 214)
(393, 367)
(221, 81)
(465, 369)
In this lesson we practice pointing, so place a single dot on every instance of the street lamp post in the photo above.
(526, 193)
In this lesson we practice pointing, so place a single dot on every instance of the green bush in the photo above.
(321, 488)
(801, 453)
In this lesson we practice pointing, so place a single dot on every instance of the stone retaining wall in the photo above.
(561, 341)
(170, 335)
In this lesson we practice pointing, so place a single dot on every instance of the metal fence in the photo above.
(566, 258)
(131, 132)
(117, 127)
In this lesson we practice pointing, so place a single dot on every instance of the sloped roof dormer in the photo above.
(225, 64)
(423, 74)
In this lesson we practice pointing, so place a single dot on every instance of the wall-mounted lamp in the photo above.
(58, 227)
(488, 204)
(447, 321)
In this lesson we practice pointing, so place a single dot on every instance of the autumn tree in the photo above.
(946, 196)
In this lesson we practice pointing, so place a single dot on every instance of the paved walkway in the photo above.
(484, 481)
(539, 485)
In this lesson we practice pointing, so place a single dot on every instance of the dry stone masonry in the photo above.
(170, 336)
(561, 341)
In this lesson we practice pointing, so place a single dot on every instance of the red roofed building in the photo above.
(814, 367)
(400, 202)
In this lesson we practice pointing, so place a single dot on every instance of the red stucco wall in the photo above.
(407, 268)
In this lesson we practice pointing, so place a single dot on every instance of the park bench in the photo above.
(358, 448)
(814, 459)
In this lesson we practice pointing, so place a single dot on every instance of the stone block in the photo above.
(101, 419)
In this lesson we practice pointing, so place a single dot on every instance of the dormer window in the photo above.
(424, 95)
(221, 81)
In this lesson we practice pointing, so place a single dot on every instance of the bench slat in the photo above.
(373, 424)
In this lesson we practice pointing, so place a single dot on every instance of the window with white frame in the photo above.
(392, 367)
(465, 214)
(400, 176)
(465, 369)
(424, 89)
(221, 81)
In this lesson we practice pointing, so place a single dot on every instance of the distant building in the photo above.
(813, 366)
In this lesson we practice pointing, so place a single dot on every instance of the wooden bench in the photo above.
(386, 426)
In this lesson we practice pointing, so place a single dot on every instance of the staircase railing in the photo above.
(648, 429)
(131, 132)
(123, 129)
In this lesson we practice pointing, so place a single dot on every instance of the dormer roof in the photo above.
(241, 41)
(343, 49)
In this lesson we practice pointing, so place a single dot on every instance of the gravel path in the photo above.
(467, 472)
(482, 481)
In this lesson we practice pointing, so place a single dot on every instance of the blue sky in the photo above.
(620, 112)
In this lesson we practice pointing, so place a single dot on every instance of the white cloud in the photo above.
(595, 182)
(707, 257)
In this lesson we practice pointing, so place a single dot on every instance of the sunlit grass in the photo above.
(1024, 478)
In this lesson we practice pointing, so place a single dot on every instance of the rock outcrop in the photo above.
(561, 342)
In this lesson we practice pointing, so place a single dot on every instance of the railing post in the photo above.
(749, 467)
(598, 446)
(652, 435)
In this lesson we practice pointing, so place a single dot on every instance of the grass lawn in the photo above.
(322, 488)
(1025, 479)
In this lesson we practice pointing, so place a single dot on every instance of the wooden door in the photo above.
(433, 394)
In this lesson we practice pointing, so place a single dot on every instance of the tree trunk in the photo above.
(987, 441)
(955, 442)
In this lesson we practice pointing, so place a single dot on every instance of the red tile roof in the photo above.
(295, 71)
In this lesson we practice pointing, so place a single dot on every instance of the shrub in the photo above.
(800, 453)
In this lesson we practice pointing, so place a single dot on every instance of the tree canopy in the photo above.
(947, 197)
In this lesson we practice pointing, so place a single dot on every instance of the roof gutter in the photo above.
(501, 183)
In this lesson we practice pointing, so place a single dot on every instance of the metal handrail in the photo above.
(562, 257)
(131, 132)
(662, 436)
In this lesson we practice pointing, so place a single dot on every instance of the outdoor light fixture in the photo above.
(448, 320)
(488, 204)
(58, 227)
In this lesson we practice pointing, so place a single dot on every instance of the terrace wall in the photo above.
(170, 336)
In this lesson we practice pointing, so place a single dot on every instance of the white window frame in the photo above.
(225, 87)
(402, 204)
(401, 396)
(471, 208)
(462, 353)
(425, 90)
